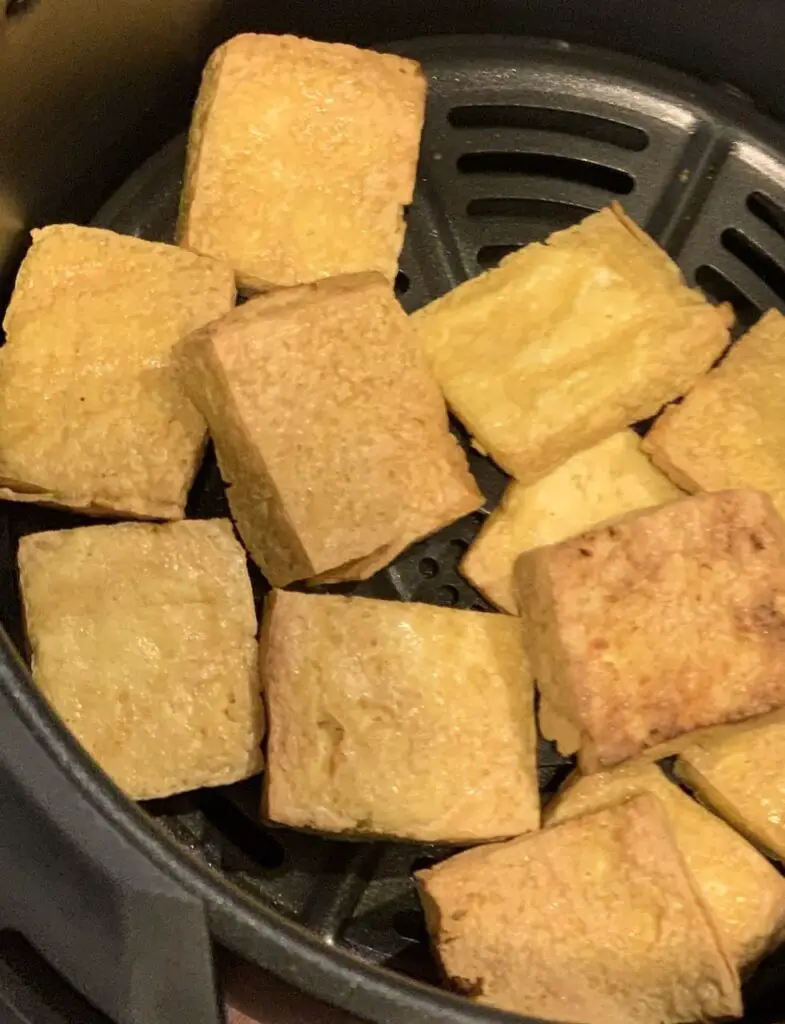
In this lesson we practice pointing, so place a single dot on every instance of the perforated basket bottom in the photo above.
(521, 138)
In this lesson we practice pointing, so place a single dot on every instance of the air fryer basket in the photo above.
(522, 137)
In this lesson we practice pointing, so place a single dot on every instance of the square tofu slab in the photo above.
(568, 341)
(740, 773)
(402, 720)
(595, 921)
(660, 623)
(744, 893)
(610, 479)
(143, 640)
(329, 429)
(730, 430)
(93, 416)
(301, 157)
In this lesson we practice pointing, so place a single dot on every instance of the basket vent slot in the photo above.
(755, 259)
(549, 165)
(547, 119)
(765, 209)
(719, 288)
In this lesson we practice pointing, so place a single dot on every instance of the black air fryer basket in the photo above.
(524, 134)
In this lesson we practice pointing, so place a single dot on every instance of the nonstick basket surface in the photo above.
(521, 138)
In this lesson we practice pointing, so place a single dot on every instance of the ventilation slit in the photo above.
(764, 208)
(756, 260)
(719, 288)
(546, 119)
(548, 165)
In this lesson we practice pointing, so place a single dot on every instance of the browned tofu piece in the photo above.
(610, 479)
(329, 429)
(144, 642)
(93, 416)
(744, 893)
(403, 720)
(596, 921)
(663, 622)
(301, 157)
(740, 773)
(568, 341)
(730, 431)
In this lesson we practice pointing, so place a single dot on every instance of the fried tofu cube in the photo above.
(143, 640)
(329, 429)
(663, 622)
(743, 892)
(93, 416)
(610, 479)
(729, 431)
(595, 921)
(740, 773)
(567, 342)
(301, 157)
(401, 720)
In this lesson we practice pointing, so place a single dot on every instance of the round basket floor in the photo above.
(521, 138)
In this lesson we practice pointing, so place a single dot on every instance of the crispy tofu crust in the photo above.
(568, 341)
(610, 479)
(329, 429)
(93, 415)
(403, 720)
(595, 921)
(740, 773)
(663, 622)
(744, 893)
(301, 157)
(730, 431)
(151, 659)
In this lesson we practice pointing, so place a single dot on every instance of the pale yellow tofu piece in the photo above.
(595, 921)
(744, 893)
(568, 341)
(660, 623)
(402, 720)
(143, 640)
(93, 416)
(610, 479)
(740, 773)
(301, 157)
(329, 429)
(730, 431)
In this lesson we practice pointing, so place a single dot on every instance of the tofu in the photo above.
(595, 921)
(143, 641)
(567, 342)
(330, 431)
(729, 431)
(740, 773)
(399, 720)
(301, 157)
(610, 479)
(663, 622)
(742, 891)
(94, 418)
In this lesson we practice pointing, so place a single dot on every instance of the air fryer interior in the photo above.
(521, 138)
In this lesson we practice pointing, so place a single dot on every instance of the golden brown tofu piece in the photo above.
(743, 892)
(662, 622)
(568, 341)
(608, 480)
(301, 157)
(403, 720)
(143, 640)
(740, 773)
(93, 416)
(729, 431)
(595, 921)
(329, 429)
